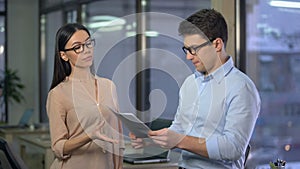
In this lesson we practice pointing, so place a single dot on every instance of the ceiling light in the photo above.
(147, 33)
(285, 4)
(104, 22)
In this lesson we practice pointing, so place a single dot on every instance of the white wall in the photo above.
(23, 53)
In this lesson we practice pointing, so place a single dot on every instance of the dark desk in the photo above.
(172, 164)
(40, 144)
(10, 134)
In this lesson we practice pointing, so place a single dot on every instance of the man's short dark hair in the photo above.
(206, 22)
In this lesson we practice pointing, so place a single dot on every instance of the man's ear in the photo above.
(64, 56)
(218, 44)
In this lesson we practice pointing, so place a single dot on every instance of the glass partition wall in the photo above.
(271, 59)
(91, 14)
(3, 112)
(114, 25)
(269, 39)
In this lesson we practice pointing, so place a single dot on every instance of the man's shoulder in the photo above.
(239, 78)
(238, 74)
(191, 77)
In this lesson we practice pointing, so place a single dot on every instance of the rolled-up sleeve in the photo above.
(58, 129)
(243, 109)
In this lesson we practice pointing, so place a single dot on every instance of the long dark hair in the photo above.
(62, 68)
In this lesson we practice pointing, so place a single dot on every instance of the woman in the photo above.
(84, 134)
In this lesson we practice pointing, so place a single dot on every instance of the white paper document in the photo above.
(135, 125)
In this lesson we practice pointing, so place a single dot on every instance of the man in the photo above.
(218, 104)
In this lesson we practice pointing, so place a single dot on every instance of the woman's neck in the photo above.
(81, 74)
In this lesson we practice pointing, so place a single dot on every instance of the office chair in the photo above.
(9, 160)
(160, 123)
(247, 154)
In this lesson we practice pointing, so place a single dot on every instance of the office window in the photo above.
(109, 23)
(273, 62)
(49, 24)
(2, 6)
(113, 24)
(3, 115)
(166, 56)
(116, 50)
(72, 16)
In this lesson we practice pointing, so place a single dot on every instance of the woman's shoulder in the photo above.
(61, 88)
(104, 81)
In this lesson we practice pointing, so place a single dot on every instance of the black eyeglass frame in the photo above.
(86, 43)
(196, 48)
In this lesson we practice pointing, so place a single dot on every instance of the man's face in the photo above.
(201, 52)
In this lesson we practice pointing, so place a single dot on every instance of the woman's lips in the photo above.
(88, 58)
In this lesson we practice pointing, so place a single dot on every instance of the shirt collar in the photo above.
(202, 77)
(218, 74)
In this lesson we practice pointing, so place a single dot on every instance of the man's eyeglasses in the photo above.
(80, 47)
(193, 50)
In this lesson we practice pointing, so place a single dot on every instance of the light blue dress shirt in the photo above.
(222, 108)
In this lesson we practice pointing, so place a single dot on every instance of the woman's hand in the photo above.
(136, 142)
(96, 134)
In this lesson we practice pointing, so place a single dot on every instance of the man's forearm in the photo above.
(193, 144)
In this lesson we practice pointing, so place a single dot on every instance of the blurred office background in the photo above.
(264, 38)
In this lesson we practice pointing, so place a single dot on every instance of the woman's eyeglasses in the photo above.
(80, 47)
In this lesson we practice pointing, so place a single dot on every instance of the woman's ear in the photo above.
(64, 56)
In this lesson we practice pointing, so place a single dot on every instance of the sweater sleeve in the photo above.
(58, 130)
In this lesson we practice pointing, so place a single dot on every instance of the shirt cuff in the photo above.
(59, 150)
(212, 147)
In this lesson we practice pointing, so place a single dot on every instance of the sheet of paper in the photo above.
(135, 125)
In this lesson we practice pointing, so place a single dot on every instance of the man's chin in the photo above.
(200, 69)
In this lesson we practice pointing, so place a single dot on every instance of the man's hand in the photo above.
(166, 138)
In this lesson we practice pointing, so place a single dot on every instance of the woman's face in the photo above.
(78, 54)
